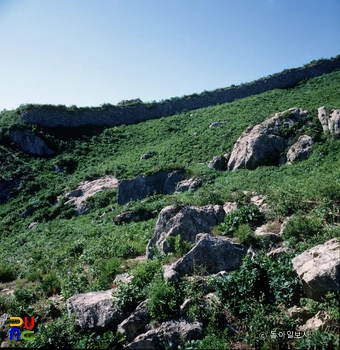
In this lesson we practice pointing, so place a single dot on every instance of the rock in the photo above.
(169, 274)
(142, 186)
(218, 163)
(215, 124)
(33, 224)
(228, 207)
(211, 254)
(137, 323)
(129, 216)
(185, 221)
(123, 278)
(88, 189)
(168, 335)
(146, 156)
(299, 313)
(29, 142)
(319, 269)
(94, 309)
(264, 143)
(318, 322)
(330, 120)
(301, 149)
(191, 184)
(28, 211)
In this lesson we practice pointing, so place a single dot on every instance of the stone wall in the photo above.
(50, 116)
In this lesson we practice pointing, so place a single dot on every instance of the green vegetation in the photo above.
(66, 254)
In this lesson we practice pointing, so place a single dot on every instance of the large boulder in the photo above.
(191, 184)
(142, 186)
(185, 221)
(301, 149)
(94, 309)
(137, 323)
(330, 120)
(212, 254)
(168, 335)
(319, 269)
(29, 142)
(264, 143)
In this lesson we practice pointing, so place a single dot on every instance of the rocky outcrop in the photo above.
(168, 335)
(142, 186)
(109, 115)
(301, 149)
(330, 120)
(191, 184)
(88, 189)
(215, 124)
(211, 255)
(185, 221)
(264, 143)
(137, 323)
(94, 309)
(319, 269)
(29, 142)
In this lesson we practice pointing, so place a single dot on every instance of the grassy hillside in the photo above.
(67, 254)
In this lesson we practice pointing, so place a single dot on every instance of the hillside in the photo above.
(49, 253)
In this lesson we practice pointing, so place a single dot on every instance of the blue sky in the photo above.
(90, 52)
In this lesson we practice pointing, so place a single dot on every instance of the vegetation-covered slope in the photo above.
(66, 254)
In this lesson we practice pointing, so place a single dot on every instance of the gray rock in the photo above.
(215, 124)
(262, 144)
(94, 309)
(169, 335)
(218, 163)
(27, 141)
(191, 184)
(330, 120)
(301, 149)
(130, 216)
(211, 254)
(319, 269)
(185, 221)
(33, 224)
(142, 186)
(137, 323)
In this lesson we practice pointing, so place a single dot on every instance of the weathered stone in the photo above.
(129, 216)
(218, 163)
(33, 224)
(261, 144)
(191, 184)
(319, 269)
(330, 120)
(301, 149)
(211, 255)
(137, 323)
(123, 278)
(169, 335)
(318, 322)
(29, 142)
(146, 156)
(94, 309)
(215, 124)
(142, 186)
(88, 189)
(185, 221)
(228, 207)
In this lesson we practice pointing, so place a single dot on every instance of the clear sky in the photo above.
(90, 52)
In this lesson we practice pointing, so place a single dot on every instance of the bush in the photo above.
(163, 300)
(247, 214)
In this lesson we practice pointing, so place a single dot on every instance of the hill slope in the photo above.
(65, 254)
